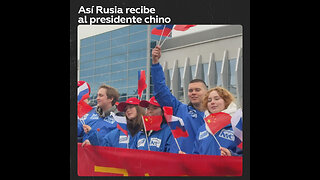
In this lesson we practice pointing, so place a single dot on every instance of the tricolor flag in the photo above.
(83, 91)
(83, 108)
(236, 123)
(182, 27)
(122, 123)
(141, 82)
(216, 121)
(162, 30)
(175, 123)
(152, 122)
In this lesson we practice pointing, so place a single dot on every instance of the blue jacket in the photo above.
(114, 138)
(192, 118)
(206, 144)
(158, 140)
(95, 121)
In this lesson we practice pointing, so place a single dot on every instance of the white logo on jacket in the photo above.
(203, 134)
(141, 142)
(94, 116)
(109, 119)
(123, 139)
(227, 134)
(155, 142)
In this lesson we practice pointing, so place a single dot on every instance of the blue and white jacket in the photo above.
(191, 117)
(97, 119)
(158, 140)
(206, 144)
(115, 138)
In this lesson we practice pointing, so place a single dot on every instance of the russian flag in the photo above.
(162, 30)
(83, 92)
(182, 27)
(122, 123)
(141, 82)
(236, 123)
(175, 123)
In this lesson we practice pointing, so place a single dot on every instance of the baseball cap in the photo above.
(152, 101)
(132, 100)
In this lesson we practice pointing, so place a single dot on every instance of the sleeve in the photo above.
(80, 129)
(93, 138)
(161, 91)
(196, 144)
(169, 142)
(238, 152)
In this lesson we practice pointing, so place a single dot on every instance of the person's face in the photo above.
(131, 112)
(215, 103)
(196, 91)
(102, 100)
(153, 110)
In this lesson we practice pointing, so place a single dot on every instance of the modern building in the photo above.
(114, 58)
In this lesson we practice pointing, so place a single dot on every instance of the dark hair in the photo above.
(198, 80)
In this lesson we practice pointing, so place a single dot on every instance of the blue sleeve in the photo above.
(169, 142)
(196, 144)
(93, 138)
(161, 91)
(238, 152)
(80, 129)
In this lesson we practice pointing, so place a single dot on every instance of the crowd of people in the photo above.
(100, 127)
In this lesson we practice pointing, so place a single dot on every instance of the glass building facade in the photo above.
(114, 58)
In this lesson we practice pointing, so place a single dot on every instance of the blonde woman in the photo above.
(216, 100)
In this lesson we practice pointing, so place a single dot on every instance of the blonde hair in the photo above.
(222, 92)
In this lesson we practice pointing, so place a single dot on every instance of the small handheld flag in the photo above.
(83, 93)
(236, 123)
(217, 121)
(152, 122)
(122, 123)
(182, 27)
(175, 123)
(83, 90)
(83, 108)
(162, 30)
(141, 82)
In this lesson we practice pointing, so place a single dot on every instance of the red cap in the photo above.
(152, 101)
(131, 100)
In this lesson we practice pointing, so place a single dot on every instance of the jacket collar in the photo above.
(106, 113)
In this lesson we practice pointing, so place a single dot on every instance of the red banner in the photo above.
(110, 161)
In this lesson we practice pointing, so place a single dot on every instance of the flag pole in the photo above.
(174, 138)
(144, 126)
(161, 34)
(145, 132)
(177, 143)
(217, 141)
(166, 38)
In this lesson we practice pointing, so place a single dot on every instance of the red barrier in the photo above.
(109, 161)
